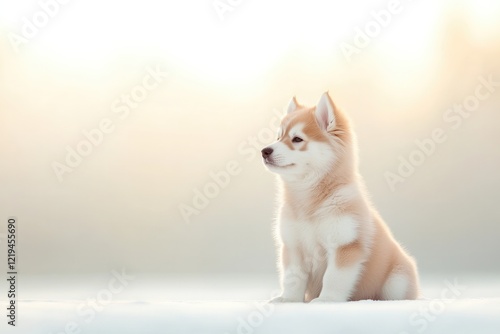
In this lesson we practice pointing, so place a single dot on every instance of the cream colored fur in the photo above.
(333, 245)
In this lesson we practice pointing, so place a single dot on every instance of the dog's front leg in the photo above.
(293, 278)
(339, 281)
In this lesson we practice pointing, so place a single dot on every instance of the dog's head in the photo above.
(311, 141)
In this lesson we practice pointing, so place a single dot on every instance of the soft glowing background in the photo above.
(119, 208)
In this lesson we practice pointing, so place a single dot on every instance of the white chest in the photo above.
(328, 234)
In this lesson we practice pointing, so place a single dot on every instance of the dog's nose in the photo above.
(266, 152)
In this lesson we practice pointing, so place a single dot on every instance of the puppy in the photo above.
(333, 245)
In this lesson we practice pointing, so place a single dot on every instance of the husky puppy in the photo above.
(333, 245)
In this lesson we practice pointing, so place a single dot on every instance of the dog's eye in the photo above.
(297, 140)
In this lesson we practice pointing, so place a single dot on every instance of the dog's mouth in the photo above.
(271, 163)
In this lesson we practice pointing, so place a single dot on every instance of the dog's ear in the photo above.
(292, 105)
(325, 112)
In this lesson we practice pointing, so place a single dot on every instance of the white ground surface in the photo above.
(450, 305)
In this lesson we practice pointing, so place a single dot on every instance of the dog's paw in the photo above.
(281, 299)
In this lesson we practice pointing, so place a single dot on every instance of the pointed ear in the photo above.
(292, 105)
(325, 112)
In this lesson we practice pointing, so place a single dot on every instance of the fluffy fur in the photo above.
(332, 243)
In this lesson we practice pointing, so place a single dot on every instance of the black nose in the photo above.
(266, 152)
